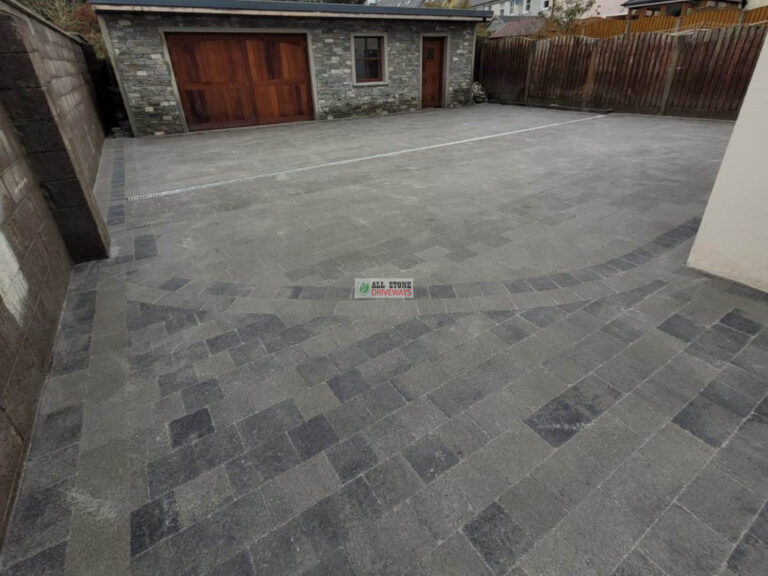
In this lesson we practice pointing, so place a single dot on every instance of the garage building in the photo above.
(201, 64)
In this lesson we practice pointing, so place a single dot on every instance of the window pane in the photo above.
(373, 48)
(360, 69)
(359, 48)
(373, 69)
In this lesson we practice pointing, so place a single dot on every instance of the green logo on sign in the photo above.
(365, 288)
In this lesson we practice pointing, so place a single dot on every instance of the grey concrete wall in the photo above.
(733, 239)
(141, 61)
(50, 144)
(47, 92)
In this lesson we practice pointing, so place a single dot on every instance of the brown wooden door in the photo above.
(241, 79)
(432, 72)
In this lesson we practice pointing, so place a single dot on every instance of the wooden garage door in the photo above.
(241, 79)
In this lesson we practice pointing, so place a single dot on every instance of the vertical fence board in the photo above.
(701, 73)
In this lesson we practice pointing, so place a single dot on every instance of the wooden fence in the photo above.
(704, 73)
(691, 20)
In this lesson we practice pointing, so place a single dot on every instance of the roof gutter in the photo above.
(282, 13)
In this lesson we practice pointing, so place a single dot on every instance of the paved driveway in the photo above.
(562, 397)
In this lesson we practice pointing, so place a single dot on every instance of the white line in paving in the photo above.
(353, 160)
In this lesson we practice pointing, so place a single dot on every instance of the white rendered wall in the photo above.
(733, 238)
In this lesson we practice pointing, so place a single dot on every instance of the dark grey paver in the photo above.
(441, 291)
(352, 457)
(412, 329)
(382, 400)
(681, 328)
(348, 385)
(379, 343)
(622, 330)
(265, 326)
(223, 341)
(267, 424)
(144, 246)
(544, 315)
(41, 520)
(430, 457)
(313, 436)
(749, 558)
(317, 370)
(729, 398)
(57, 429)
(707, 420)
(177, 380)
(514, 330)
(238, 565)
(738, 320)
(558, 421)
(541, 283)
(564, 279)
(274, 342)
(718, 345)
(191, 427)
(173, 284)
(153, 522)
(500, 541)
(592, 394)
(459, 394)
(250, 470)
(49, 562)
(454, 557)
(518, 286)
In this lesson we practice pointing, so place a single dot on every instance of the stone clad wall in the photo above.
(138, 50)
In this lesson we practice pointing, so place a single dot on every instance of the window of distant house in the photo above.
(527, 5)
(545, 4)
(369, 58)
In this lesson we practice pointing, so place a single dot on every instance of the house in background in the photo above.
(512, 7)
(650, 8)
(517, 26)
(201, 64)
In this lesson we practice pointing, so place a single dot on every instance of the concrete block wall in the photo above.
(34, 272)
(138, 50)
(50, 145)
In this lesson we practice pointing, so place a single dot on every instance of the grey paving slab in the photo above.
(217, 371)
(681, 544)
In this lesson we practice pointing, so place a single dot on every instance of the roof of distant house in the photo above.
(401, 3)
(520, 26)
(641, 3)
(273, 8)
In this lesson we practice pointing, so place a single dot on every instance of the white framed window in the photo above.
(527, 6)
(369, 59)
(545, 4)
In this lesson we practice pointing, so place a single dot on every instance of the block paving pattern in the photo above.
(607, 417)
